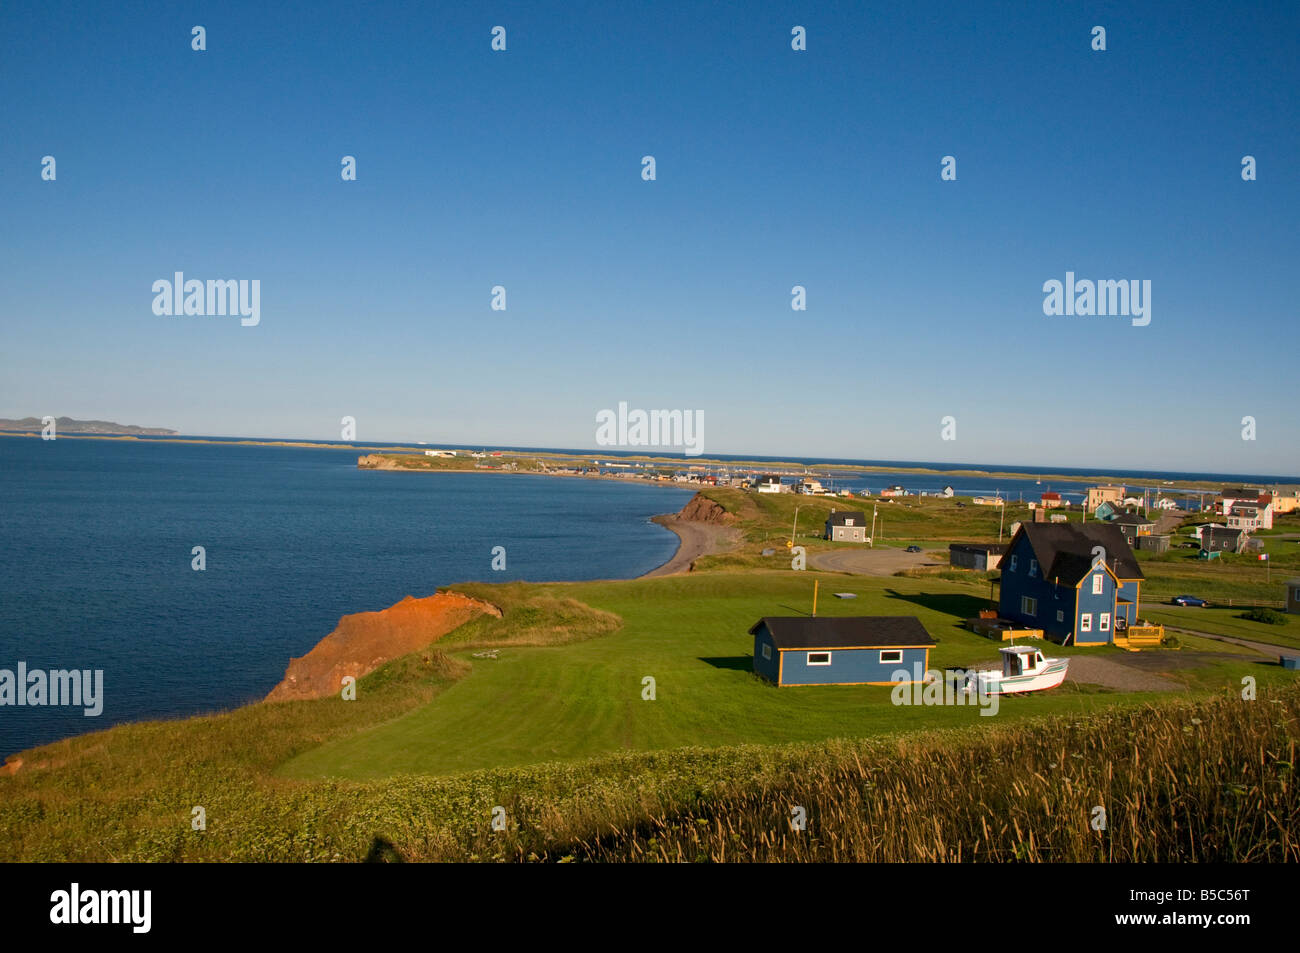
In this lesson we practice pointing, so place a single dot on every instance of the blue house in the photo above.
(849, 650)
(1078, 582)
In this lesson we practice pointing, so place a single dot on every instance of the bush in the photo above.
(1269, 616)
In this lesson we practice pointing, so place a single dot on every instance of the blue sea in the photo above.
(95, 560)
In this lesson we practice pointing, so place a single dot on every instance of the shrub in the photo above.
(1269, 616)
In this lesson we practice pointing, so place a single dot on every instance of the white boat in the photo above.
(1023, 670)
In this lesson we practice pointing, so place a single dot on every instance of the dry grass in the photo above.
(529, 617)
(1207, 783)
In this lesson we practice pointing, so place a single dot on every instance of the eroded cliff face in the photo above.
(373, 461)
(365, 640)
(701, 509)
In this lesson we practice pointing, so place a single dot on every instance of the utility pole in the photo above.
(795, 527)
(873, 525)
(1002, 512)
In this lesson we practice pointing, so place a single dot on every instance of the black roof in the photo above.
(979, 547)
(809, 632)
(839, 516)
(1064, 550)
(1221, 531)
(1133, 519)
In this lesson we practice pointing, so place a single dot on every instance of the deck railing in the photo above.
(1144, 635)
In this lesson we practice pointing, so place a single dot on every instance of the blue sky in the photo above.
(775, 168)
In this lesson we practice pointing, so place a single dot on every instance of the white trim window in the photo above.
(1104, 624)
(1098, 582)
(1028, 605)
(1012, 566)
(767, 651)
(1085, 622)
(888, 656)
(819, 658)
(1033, 568)
(1060, 615)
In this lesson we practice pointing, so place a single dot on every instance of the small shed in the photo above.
(849, 650)
(983, 557)
(1154, 543)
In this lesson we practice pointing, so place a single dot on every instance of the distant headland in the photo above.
(70, 425)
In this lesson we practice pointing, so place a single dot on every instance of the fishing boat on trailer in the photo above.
(1024, 669)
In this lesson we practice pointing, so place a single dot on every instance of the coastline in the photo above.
(694, 539)
(785, 467)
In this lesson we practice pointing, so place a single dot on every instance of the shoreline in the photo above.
(775, 466)
(694, 539)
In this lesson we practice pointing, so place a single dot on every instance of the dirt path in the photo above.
(696, 539)
(869, 562)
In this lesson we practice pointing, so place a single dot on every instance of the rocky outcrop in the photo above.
(701, 509)
(365, 640)
(374, 461)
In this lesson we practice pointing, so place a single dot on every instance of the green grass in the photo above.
(690, 634)
(1225, 621)
(555, 730)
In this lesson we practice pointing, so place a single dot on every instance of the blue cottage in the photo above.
(849, 650)
(1079, 583)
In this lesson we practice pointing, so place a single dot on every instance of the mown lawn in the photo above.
(1227, 621)
(689, 633)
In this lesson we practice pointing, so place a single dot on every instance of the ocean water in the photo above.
(95, 560)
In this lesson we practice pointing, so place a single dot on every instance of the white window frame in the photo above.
(1012, 567)
(1029, 606)
(1098, 583)
(1033, 568)
(1085, 622)
(1103, 625)
(810, 661)
(1060, 615)
(767, 651)
(889, 661)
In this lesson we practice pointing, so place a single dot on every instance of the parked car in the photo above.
(913, 549)
(1188, 601)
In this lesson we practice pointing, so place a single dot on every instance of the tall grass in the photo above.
(1207, 783)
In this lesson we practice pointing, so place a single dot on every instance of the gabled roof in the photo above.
(814, 632)
(1064, 550)
(1133, 519)
(839, 516)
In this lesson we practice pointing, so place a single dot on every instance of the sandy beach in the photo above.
(695, 539)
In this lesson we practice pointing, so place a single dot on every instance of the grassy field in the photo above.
(690, 634)
(555, 730)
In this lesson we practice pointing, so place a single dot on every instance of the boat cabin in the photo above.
(1018, 660)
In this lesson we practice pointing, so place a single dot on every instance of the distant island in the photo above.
(69, 425)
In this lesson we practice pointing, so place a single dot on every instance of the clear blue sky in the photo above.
(775, 168)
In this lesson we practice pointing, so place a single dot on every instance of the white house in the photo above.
(1250, 516)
